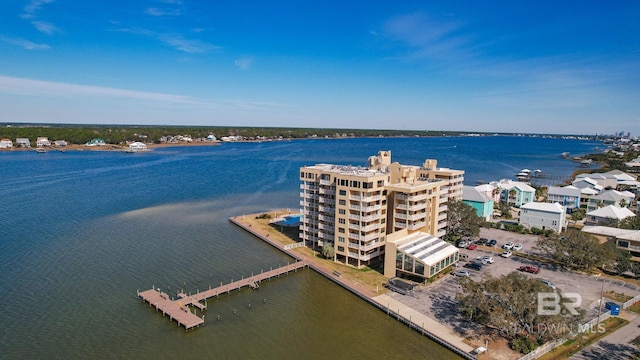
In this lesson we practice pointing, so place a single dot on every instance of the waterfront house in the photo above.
(607, 214)
(514, 193)
(605, 180)
(6, 144)
(543, 216)
(567, 196)
(23, 142)
(626, 181)
(42, 142)
(417, 254)
(479, 201)
(60, 143)
(353, 208)
(96, 142)
(137, 146)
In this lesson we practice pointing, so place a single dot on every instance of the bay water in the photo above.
(81, 231)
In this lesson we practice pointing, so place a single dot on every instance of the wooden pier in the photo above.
(179, 309)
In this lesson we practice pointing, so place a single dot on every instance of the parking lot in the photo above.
(437, 300)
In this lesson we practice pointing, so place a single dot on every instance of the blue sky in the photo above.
(570, 67)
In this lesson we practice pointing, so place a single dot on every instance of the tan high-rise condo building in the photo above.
(354, 208)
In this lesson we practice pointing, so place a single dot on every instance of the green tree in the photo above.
(462, 220)
(630, 223)
(575, 249)
(578, 214)
(328, 251)
(510, 304)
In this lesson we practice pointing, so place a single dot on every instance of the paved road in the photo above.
(615, 346)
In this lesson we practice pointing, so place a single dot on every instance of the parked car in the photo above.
(463, 244)
(529, 269)
(461, 273)
(492, 242)
(517, 247)
(482, 241)
(472, 247)
(508, 246)
(548, 283)
(474, 265)
(506, 254)
(486, 259)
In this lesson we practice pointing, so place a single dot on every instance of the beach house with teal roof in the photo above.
(479, 201)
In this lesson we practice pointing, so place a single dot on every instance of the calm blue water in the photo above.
(81, 231)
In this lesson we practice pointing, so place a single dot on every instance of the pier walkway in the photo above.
(179, 310)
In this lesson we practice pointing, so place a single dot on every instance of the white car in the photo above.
(517, 247)
(461, 273)
(486, 259)
(548, 283)
(463, 244)
(508, 246)
(506, 254)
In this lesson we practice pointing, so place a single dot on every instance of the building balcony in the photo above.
(418, 197)
(324, 191)
(325, 182)
(416, 226)
(367, 237)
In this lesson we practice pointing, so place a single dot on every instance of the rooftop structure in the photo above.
(353, 208)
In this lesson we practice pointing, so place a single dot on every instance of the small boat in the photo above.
(40, 150)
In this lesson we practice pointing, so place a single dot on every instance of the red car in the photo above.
(529, 269)
(472, 247)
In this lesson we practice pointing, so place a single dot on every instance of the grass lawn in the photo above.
(581, 341)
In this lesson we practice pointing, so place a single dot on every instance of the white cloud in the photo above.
(33, 7)
(154, 11)
(427, 38)
(23, 43)
(244, 63)
(21, 86)
(30, 13)
(44, 27)
(176, 41)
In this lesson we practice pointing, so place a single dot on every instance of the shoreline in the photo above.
(376, 296)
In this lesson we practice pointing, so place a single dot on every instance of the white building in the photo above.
(43, 141)
(607, 213)
(543, 216)
(418, 254)
(6, 144)
(137, 146)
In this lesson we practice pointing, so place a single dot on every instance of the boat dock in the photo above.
(179, 309)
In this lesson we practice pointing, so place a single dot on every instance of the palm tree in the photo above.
(512, 196)
(623, 203)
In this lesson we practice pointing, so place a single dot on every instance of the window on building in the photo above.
(341, 248)
(342, 202)
(340, 239)
(343, 192)
(342, 221)
(624, 244)
(342, 211)
(341, 230)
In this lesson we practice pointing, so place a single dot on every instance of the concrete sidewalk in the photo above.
(422, 321)
(615, 346)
